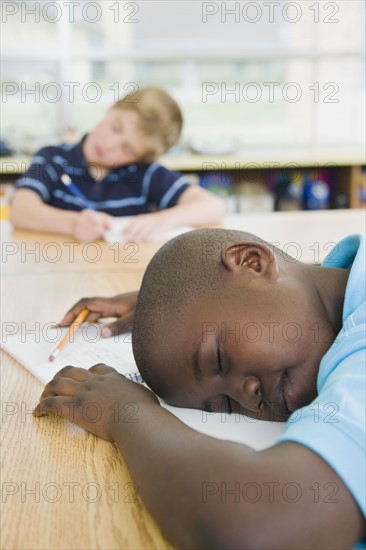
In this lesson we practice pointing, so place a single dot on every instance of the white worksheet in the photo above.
(88, 348)
(115, 234)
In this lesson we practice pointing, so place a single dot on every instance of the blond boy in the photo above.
(115, 171)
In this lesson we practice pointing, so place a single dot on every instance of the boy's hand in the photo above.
(121, 306)
(98, 399)
(90, 225)
(145, 226)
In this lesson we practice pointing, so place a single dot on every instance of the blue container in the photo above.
(316, 194)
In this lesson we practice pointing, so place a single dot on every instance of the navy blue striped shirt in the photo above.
(125, 191)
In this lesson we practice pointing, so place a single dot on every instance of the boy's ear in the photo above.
(255, 259)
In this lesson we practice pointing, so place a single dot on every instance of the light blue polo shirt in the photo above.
(333, 425)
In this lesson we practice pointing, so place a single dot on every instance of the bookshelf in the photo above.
(346, 166)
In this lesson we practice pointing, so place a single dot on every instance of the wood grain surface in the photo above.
(61, 487)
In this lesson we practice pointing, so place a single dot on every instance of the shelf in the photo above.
(347, 160)
(284, 157)
(11, 166)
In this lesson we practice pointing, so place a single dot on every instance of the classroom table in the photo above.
(62, 487)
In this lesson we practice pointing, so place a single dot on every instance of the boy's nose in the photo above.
(251, 393)
(112, 143)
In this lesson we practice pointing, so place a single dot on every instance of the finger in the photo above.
(145, 231)
(144, 234)
(97, 308)
(101, 224)
(101, 218)
(100, 368)
(122, 325)
(134, 235)
(93, 216)
(99, 229)
(92, 317)
(59, 386)
(60, 405)
(133, 228)
(130, 226)
(128, 235)
(147, 234)
(76, 373)
(74, 312)
(107, 221)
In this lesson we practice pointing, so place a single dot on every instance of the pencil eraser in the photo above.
(54, 354)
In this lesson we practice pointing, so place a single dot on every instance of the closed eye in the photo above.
(219, 364)
(220, 371)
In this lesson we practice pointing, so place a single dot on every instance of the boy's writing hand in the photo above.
(90, 225)
(99, 400)
(121, 306)
(145, 226)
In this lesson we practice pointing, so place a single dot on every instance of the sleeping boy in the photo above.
(226, 321)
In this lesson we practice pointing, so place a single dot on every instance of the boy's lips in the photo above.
(276, 399)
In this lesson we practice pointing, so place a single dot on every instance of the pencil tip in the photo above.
(51, 358)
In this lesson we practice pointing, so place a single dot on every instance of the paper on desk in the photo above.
(88, 348)
(115, 235)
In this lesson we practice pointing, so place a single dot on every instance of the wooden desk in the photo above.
(82, 496)
(61, 487)
(25, 252)
(308, 236)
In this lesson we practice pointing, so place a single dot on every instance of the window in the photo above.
(256, 72)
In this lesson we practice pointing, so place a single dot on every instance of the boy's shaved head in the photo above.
(185, 269)
(227, 322)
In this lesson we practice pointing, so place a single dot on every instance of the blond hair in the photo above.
(160, 116)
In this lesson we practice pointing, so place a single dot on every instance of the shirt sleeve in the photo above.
(41, 176)
(333, 425)
(164, 186)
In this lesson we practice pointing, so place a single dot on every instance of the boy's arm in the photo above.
(198, 207)
(28, 211)
(208, 493)
(195, 206)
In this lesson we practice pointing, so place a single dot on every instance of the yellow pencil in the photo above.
(73, 327)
